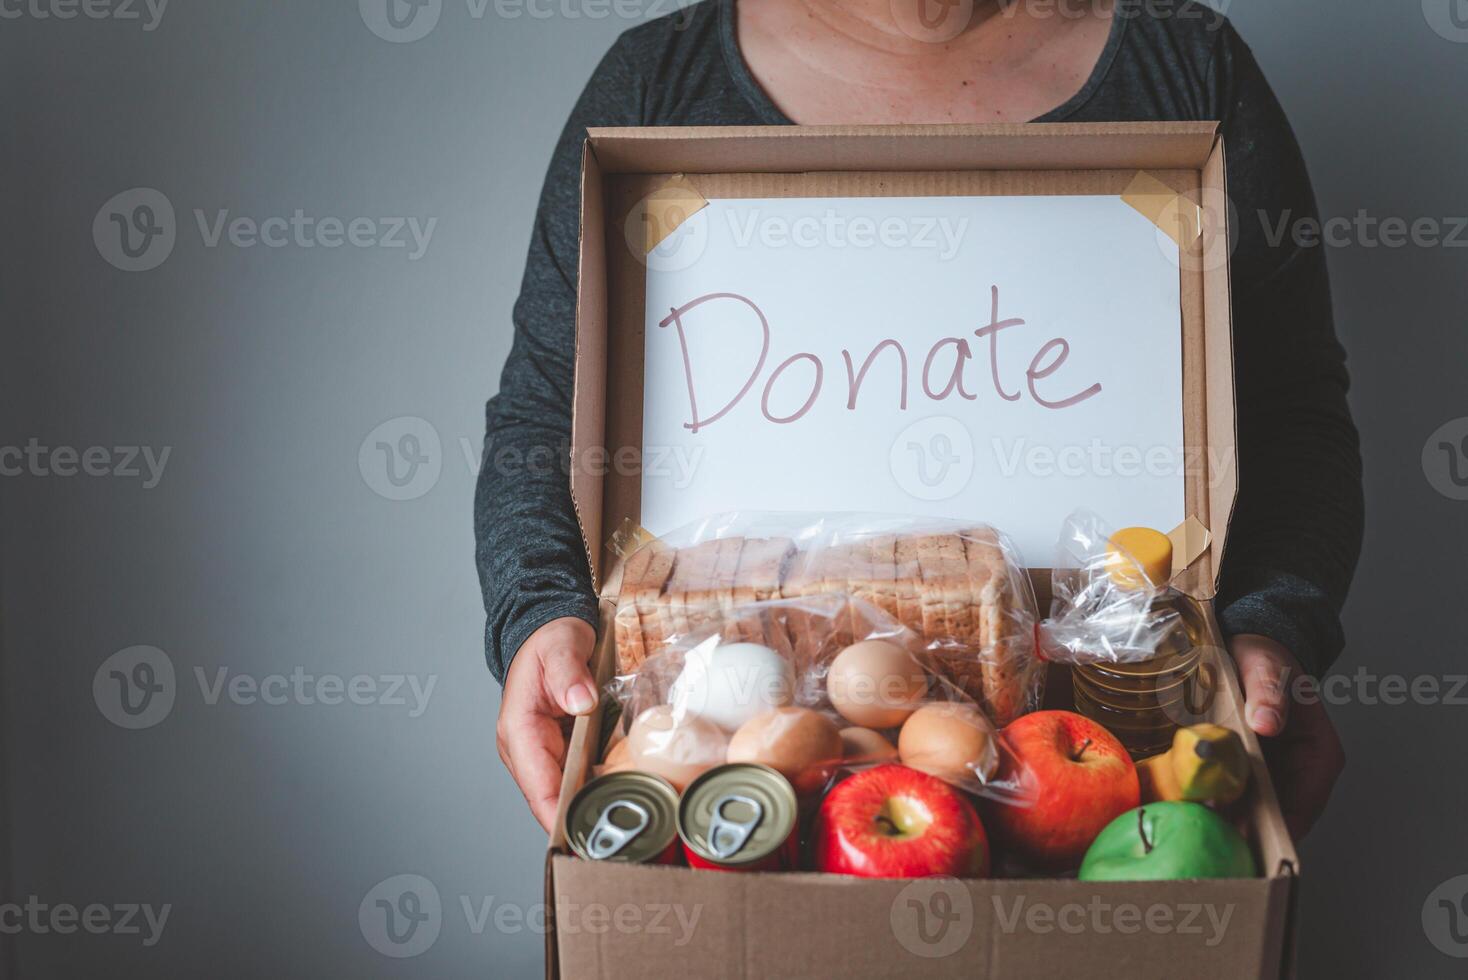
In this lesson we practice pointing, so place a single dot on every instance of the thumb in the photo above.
(1266, 669)
(567, 678)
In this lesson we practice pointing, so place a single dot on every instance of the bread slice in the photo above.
(650, 602)
(882, 585)
(906, 578)
(696, 600)
(627, 626)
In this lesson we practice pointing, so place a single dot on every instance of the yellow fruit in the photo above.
(1206, 764)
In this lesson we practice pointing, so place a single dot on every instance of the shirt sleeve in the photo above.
(528, 545)
(1296, 531)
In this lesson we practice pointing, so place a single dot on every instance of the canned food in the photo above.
(740, 817)
(625, 816)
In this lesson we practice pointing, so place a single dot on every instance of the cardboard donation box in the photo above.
(996, 324)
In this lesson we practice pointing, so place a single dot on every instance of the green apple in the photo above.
(1164, 841)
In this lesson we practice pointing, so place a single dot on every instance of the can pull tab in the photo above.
(727, 836)
(606, 838)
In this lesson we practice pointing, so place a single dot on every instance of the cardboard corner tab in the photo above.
(1189, 540)
(662, 211)
(1173, 214)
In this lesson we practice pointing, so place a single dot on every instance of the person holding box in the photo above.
(1297, 528)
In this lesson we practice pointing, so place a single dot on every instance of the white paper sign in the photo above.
(996, 359)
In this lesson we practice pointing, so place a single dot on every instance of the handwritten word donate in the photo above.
(945, 366)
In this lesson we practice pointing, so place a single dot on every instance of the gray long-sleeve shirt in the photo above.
(1297, 527)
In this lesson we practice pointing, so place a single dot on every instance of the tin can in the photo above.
(625, 816)
(740, 817)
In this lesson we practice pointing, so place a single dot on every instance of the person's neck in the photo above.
(911, 26)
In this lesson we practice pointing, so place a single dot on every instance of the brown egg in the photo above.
(875, 684)
(802, 745)
(679, 750)
(866, 747)
(950, 740)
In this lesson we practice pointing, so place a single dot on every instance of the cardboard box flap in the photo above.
(622, 166)
(1013, 146)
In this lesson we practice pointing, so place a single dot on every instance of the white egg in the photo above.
(730, 684)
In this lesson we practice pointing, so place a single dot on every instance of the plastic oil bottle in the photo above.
(1142, 702)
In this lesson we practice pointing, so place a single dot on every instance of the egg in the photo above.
(865, 747)
(729, 684)
(617, 759)
(875, 684)
(950, 740)
(802, 745)
(678, 748)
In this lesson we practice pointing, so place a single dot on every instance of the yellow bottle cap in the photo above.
(1140, 546)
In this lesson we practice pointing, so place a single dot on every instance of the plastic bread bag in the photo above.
(957, 586)
(1104, 606)
(811, 687)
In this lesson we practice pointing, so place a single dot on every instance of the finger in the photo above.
(568, 680)
(536, 746)
(1265, 673)
(1304, 766)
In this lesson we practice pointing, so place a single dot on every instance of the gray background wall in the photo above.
(264, 549)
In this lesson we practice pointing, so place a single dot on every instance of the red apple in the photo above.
(1079, 779)
(896, 822)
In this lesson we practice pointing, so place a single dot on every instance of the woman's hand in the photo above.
(547, 685)
(1300, 744)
